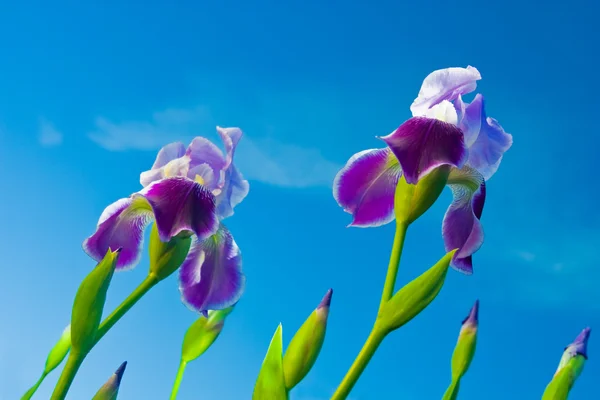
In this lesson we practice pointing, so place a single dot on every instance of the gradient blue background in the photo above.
(90, 91)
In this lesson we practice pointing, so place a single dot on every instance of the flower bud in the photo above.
(570, 367)
(465, 346)
(270, 384)
(166, 258)
(89, 303)
(202, 334)
(413, 298)
(411, 201)
(306, 344)
(110, 389)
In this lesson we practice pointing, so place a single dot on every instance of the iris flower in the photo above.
(444, 130)
(188, 191)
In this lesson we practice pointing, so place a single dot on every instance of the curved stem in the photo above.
(66, 377)
(452, 391)
(178, 379)
(29, 394)
(377, 334)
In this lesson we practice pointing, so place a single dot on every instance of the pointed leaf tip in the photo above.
(326, 301)
(119, 372)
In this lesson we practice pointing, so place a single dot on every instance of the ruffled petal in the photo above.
(177, 167)
(488, 146)
(180, 204)
(444, 84)
(203, 151)
(167, 154)
(462, 228)
(121, 225)
(423, 144)
(234, 187)
(366, 185)
(211, 276)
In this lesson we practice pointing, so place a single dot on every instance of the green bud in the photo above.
(166, 258)
(413, 298)
(411, 201)
(89, 303)
(270, 384)
(59, 351)
(110, 389)
(306, 344)
(202, 334)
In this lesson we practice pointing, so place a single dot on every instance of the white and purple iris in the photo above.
(188, 191)
(444, 130)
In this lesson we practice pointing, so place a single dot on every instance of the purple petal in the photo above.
(203, 151)
(469, 117)
(169, 153)
(461, 228)
(444, 84)
(579, 346)
(121, 225)
(473, 317)
(491, 141)
(177, 167)
(211, 276)
(423, 144)
(234, 187)
(366, 185)
(180, 204)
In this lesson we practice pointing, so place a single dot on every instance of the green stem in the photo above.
(178, 379)
(29, 394)
(66, 377)
(377, 334)
(147, 284)
(392, 272)
(452, 391)
(75, 361)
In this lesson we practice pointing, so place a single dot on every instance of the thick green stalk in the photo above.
(74, 361)
(377, 334)
(452, 391)
(178, 379)
(29, 394)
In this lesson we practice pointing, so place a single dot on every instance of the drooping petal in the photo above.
(366, 185)
(177, 167)
(121, 225)
(211, 277)
(423, 144)
(444, 84)
(490, 142)
(461, 228)
(203, 151)
(180, 204)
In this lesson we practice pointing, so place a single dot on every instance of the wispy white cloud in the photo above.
(263, 159)
(48, 135)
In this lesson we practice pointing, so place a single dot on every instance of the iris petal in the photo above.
(180, 204)
(121, 225)
(166, 155)
(211, 277)
(444, 84)
(462, 228)
(422, 144)
(366, 185)
(235, 188)
(488, 147)
(203, 151)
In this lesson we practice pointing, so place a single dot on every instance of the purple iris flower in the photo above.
(188, 191)
(444, 130)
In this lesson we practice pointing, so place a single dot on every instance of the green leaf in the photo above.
(413, 298)
(270, 384)
(59, 351)
(110, 390)
(89, 303)
(202, 334)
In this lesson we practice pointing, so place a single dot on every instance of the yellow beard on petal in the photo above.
(199, 179)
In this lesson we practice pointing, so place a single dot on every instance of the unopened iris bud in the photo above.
(306, 344)
(411, 201)
(570, 367)
(55, 357)
(110, 389)
(270, 384)
(166, 258)
(89, 303)
(413, 298)
(464, 351)
(202, 334)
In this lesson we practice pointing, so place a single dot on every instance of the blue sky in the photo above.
(90, 91)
